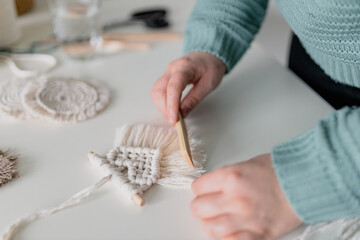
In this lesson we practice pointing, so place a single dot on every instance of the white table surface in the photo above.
(258, 105)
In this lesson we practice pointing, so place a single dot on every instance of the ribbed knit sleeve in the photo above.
(319, 171)
(224, 28)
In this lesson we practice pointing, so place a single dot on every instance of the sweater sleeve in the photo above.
(224, 28)
(319, 171)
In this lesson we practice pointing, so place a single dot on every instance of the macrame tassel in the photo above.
(7, 167)
(75, 199)
(346, 229)
(144, 155)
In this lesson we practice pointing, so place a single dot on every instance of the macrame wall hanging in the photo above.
(143, 155)
(55, 99)
(7, 167)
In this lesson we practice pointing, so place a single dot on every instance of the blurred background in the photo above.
(273, 36)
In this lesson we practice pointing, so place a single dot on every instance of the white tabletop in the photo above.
(258, 105)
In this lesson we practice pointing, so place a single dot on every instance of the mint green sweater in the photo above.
(319, 171)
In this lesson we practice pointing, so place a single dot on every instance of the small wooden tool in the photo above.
(184, 140)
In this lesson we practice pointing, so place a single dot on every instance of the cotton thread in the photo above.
(133, 170)
(10, 100)
(64, 99)
(74, 200)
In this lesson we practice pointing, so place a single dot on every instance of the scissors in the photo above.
(153, 18)
(17, 62)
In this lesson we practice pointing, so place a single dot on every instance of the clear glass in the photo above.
(77, 25)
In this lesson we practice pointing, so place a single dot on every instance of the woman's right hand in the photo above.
(203, 70)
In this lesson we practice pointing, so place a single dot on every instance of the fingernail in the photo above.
(172, 119)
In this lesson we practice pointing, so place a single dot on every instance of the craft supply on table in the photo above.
(29, 65)
(150, 36)
(152, 18)
(107, 46)
(143, 155)
(10, 98)
(111, 43)
(117, 42)
(7, 167)
(55, 99)
(64, 99)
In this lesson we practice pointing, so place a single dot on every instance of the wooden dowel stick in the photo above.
(139, 200)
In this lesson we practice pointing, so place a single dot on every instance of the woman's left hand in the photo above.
(243, 201)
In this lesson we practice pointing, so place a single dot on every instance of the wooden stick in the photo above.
(139, 200)
(107, 46)
(184, 140)
(152, 36)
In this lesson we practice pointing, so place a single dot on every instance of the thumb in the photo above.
(195, 96)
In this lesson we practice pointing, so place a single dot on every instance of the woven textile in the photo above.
(132, 169)
(10, 101)
(64, 99)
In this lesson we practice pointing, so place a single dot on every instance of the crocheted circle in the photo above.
(65, 99)
(10, 100)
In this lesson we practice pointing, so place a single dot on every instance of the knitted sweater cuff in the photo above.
(204, 37)
(307, 179)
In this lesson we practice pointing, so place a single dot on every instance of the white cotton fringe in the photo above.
(174, 170)
(75, 199)
(345, 229)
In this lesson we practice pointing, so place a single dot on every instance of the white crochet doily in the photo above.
(10, 100)
(64, 99)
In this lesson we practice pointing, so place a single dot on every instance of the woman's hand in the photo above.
(203, 70)
(243, 201)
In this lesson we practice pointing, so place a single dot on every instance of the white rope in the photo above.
(75, 199)
(47, 62)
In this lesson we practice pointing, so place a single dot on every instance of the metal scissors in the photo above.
(153, 18)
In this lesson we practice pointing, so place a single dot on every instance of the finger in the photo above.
(176, 85)
(224, 225)
(243, 235)
(210, 182)
(200, 90)
(158, 93)
(208, 205)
